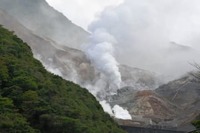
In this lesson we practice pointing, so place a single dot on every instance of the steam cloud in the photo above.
(101, 53)
(106, 107)
(117, 111)
(121, 113)
(160, 36)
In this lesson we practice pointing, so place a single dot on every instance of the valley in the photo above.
(152, 100)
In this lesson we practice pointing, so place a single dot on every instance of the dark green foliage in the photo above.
(33, 100)
(196, 74)
(10, 120)
(196, 123)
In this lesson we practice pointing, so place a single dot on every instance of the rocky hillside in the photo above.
(44, 21)
(185, 93)
(146, 107)
(173, 105)
(33, 100)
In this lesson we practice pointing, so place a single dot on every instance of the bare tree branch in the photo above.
(195, 74)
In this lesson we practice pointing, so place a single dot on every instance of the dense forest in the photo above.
(33, 100)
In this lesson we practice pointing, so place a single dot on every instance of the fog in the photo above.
(73, 8)
(161, 36)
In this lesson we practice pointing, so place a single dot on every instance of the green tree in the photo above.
(34, 100)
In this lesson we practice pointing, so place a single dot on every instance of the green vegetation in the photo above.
(33, 100)
(196, 123)
(196, 74)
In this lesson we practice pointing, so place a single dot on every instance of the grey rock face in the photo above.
(139, 78)
(185, 93)
(174, 104)
(44, 21)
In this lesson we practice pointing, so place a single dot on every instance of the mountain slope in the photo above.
(146, 107)
(173, 105)
(49, 53)
(33, 100)
(185, 93)
(44, 21)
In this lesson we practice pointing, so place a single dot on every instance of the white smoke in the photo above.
(107, 108)
(117, 111)
(144, 31)
(121, 113)
(101, 53)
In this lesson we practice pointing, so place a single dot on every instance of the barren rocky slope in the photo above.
(185, 93)
(45, 21)
(173, 105)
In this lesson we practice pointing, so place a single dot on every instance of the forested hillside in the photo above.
(33, 100)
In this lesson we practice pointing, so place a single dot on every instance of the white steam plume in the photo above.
(121, 113)
(101, 53)
(117, 111)
(144, 30)
(107, 108)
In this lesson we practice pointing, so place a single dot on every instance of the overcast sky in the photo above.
(82, 12)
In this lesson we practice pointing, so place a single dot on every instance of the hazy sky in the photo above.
(157, 35)
(82, 12)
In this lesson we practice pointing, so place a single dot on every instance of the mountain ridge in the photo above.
(45, 21)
